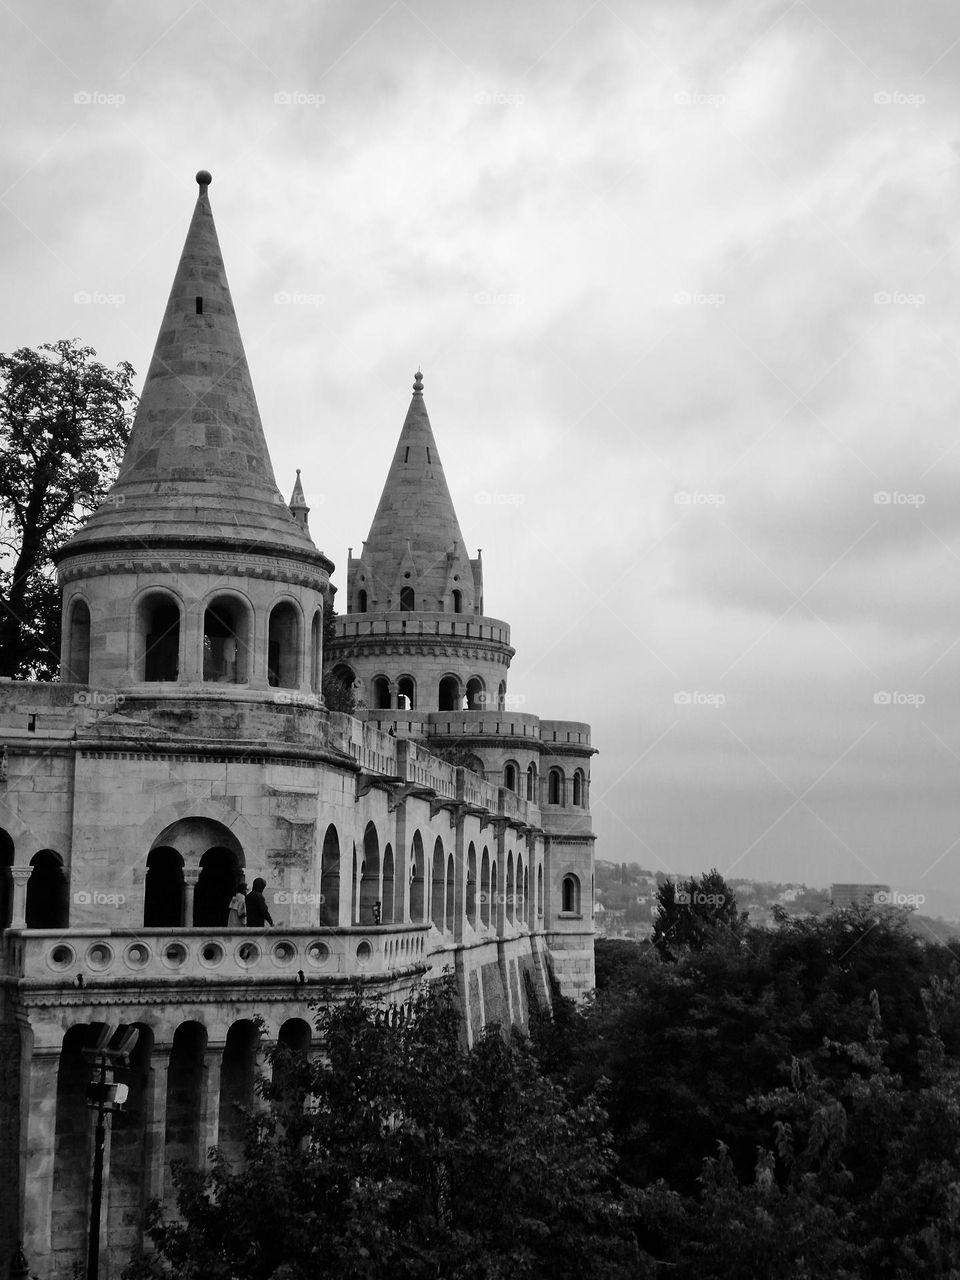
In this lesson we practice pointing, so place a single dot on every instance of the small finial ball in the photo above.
(418, 381)
(203, 178)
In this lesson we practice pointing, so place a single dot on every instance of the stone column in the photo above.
(394, 698)
(155, 1122)
(190, 877)
(191, 671)
(20, 877)
(209, 1134)
(41, 1128)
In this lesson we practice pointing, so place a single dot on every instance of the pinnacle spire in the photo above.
(197, 465)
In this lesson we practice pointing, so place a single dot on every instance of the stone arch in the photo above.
(520, 905)
(294, 1037)
(556, 786)
(579, 789)
(485, 886)
(316, 651)
(47, 905)
(218, 881)
(457, 600)
(158, 614)
(511, 776)
(369, 875)
(387, 908)
(540, 890)
(417, 870)
(450, 911)
(227, 638)
(238, 1071)
(532, 782)
(330, 878)
(361, 601)
(570, 894)
(381, 693)
(163, 888)
(127, 1142)
(284, 629)
(495, 891)
(509, 888)
(406, 693)
(471, 886)
(476, 694)
(77, 666)
(449, 692)
(438, 885)
(184, 1111)
(72, 1143)
(526, 893)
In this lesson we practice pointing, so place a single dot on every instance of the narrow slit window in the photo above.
(428, 454)
(406, 454)
(199, 306)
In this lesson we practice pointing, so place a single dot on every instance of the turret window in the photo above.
(475, 694)
(361, 601)
(570, 895)
(160, 632)
(406, 693)
(579, 790)
(555, 787)
(226, 632)
(406, 600)
(381, 693)
(449, 694)
(458, 602)
(511, 775)
(283, 647)
(532, 782)
(78, 652)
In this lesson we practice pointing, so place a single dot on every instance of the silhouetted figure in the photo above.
(237, 908)
(377, 912)
(258, 913)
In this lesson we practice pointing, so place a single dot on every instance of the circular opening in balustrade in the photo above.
(175, 953)
(137, 955)
(364, 953)
(318, 953)
(99, 956)
(62, 956)
(284, 952)
(211, 953)
(248, 953)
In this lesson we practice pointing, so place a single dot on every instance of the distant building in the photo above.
(859, 895)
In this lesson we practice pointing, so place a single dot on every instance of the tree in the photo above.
(693, 914)
(64, 421)
(337, 693)
(401, 1152)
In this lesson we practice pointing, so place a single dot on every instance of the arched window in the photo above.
(369, 875)
(501, 695)
(283, 647)
(532, 782)
(438, 886)
(361, 601)
(457, 601)
(451, 888)
(526, 893)
(449, 694)
(510, 888)
(238, 1076)
(78, 648)
(416, 880)
(163, 889)
(476, 698)
(381, 693)
(226, 641)
(540, 891)
(330, 878)
(485, 886)
(219, 879)
(183, 1138)
(579, 791)
(47, 906)
(316, 652)
(406, 693)
(511, 776)
(471, 886)
(294, 1035)
(406, 600)
(160, 638)
(386, 896)
(570, 894)
(555, 787)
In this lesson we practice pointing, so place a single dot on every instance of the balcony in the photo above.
(134, 957)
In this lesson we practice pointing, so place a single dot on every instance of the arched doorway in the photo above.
(449, 694)
(283, 647)
(220, 874)
(330, 878)
(387, 908)
(163, 889)
(47, 905)
(476, 697)
(417, 865)
(369, 875)
(438, 885)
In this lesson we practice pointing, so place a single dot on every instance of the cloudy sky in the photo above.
(679, 276)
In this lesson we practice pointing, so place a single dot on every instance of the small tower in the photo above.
(415, 634)
(194, 573)
(298, 505)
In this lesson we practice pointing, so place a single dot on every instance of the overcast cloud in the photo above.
(681, 279)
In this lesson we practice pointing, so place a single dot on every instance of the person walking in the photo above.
(237, 907)
(258, 913)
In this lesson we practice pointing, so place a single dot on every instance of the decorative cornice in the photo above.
(199, 555)
(430, 646)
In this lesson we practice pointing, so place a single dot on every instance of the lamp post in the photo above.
(111, 1051)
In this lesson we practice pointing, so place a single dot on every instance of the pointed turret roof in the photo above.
(196, 467)
(415, 509)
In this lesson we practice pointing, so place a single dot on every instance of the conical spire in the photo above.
(415, 539)
(197, 465)
(298, 503)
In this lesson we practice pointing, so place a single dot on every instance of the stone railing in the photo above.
(426, 769)
(565, 732)
(464, 626)
(484, 724)
(476, 791)
(373, 749)
(104, 957)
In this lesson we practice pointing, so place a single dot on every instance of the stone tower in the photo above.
(423, 642)
(194, 539)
